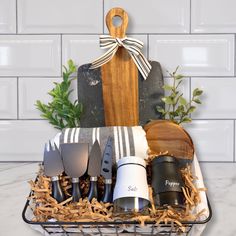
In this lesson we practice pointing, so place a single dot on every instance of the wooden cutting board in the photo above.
(120, 79)
(166, 136)
(116, 93)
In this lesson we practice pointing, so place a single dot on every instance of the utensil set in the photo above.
(131, 189)
(74, 159)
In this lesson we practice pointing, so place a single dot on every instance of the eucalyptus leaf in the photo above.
(161, 110)
(186, 120)
(167, 87)
(180, 109)
(197, 92)
(191, 109)
(196, 100)
(178, 77)
(167, 100)
(182, 100)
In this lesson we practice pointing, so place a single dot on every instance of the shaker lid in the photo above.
(164, 158)
(131, 160)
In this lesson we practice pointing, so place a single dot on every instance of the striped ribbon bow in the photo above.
(134, 48)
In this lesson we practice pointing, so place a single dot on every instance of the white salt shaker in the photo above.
(131, 189)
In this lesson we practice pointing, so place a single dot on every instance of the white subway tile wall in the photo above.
(219, 98)
(60, 16)
(213, 139)
(8, 98)
(24, 139)
(213, 16)
(38, 37)
(7, 16)
(30, 55)
(156, 16)
(82, 48)
(197, 55)
(31, 90)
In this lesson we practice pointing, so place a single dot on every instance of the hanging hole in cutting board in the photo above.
(117, 21)
(105, 170)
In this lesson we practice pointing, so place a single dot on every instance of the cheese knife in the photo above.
(75, 159)
(94, 168)
(53, 167)
(106, 171)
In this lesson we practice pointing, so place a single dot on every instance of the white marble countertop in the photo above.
(220, 178)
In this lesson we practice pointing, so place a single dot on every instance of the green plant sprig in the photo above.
(177, 107)
(61, 112)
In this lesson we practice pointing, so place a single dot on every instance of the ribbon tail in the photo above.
(142, 63)
(101, 63)
(145, 63)
(104, 58)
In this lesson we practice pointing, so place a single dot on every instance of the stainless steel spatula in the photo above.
(75, 159)
(53, 167)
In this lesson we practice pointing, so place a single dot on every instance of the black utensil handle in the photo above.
(108, 195)
(76, 195)
(93, 189)
(57, 192)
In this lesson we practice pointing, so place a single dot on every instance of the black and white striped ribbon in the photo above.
(133, 46)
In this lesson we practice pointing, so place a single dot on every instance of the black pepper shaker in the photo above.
(167, 182)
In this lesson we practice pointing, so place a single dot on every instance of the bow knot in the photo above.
(133, 46)
(119, 41)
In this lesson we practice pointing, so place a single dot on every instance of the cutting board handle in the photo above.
(117, 31)
(120, 79)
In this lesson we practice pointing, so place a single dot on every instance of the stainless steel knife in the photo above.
(94, 168)
(106, 171)
(53, 167)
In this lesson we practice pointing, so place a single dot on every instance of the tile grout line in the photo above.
(190, 17)
(133, 33)
(19, 162)
(103, 15)
(18, 99)
(215, 162)
(234, 142)
(54, 76)
(23, 119)
(189, 94)
(61, 56)
(208, 76)
(202, 162)
(198, 119)
(30, 76)
(37, 161)
(234, 55)
(215, 119)
(16, 17)
(129, 33)
(53, 34)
